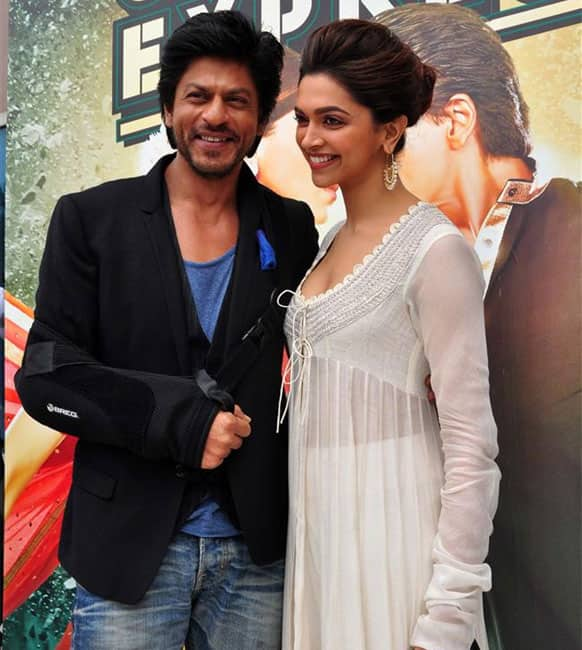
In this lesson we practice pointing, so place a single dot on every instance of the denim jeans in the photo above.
(207, 595)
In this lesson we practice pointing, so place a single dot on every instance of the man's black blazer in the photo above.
(110, 359)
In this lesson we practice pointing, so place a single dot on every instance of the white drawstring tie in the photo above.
(301, 352)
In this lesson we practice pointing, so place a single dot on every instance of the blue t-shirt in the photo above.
(209, 282)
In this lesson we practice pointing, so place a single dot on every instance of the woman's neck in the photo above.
(370, 206)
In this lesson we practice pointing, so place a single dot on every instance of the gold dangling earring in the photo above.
(390, 172)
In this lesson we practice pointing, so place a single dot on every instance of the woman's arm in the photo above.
(445, 298)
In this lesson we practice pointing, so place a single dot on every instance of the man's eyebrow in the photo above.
(239, 91)
(191, 85)
(229, 91)
(325, 109)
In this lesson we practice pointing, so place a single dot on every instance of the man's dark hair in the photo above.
(376, 67)
(469, 58)
(227, 35)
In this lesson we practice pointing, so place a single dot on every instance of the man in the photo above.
(158, 343)
(470, 156)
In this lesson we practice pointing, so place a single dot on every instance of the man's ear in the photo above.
(168, 117)
(462, 120)
(393, 131)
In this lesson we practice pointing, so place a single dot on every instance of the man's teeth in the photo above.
(210, 138)
(320, 159)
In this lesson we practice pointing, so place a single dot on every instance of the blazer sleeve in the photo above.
(63, 385)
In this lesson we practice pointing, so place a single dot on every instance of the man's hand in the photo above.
(226, 433)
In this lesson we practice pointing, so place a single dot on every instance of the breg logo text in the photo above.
(57, 409)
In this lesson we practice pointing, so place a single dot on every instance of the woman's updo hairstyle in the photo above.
(374, 66)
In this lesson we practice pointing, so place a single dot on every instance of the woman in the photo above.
(391, 506)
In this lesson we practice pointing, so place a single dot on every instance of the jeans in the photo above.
(207, 595)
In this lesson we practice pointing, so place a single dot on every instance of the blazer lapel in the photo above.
(250, 287)
(167, 260)
(509, 240)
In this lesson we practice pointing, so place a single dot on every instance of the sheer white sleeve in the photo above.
(444, 296)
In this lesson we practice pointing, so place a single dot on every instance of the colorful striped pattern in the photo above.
(33, 527)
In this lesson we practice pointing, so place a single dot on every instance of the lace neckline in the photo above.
(358, 268)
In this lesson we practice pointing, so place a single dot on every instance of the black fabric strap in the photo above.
(266, 328)
(210, 388)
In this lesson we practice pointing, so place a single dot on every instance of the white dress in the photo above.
(390, 506)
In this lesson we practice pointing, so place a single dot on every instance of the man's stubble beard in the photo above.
(206, 173)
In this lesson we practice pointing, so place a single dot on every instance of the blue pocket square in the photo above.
(266, 252)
